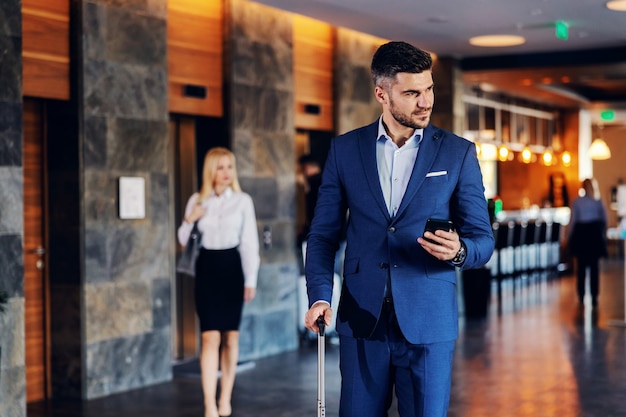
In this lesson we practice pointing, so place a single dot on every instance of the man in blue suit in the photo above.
(397, 316)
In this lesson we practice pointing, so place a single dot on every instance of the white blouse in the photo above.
(229, 221)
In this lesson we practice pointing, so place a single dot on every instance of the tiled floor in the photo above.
(536, 354)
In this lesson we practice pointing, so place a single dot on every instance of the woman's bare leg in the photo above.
(209, 359)
(228, 361)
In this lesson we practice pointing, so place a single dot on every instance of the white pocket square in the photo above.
(436, 173)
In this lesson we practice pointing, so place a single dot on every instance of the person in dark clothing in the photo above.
(312, 173)
(586, 238)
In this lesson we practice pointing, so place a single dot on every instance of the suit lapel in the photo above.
(367, 146)
(429, 148)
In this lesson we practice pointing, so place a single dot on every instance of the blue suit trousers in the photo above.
(371, 368)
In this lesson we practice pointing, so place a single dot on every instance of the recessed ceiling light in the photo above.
(497, 40)
(617, 5)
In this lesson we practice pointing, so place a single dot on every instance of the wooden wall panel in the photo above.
(195, 36)
(46, 48)
(313, 56)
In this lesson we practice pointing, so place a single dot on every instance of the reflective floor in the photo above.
(536, 354)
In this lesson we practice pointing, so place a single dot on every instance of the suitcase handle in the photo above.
(321, 395)
(321, 324)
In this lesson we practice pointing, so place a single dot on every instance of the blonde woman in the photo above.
(586, 238)
(226, 271)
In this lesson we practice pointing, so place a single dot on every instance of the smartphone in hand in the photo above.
(437, 224)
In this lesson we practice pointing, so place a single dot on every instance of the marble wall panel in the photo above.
(137, 145)
(12, 365)
(262, 131)
(283, 247)
(11, 200)
(10, 134)
(264, 194)
(156, 8)
(12, 376)
(135, 38)
(96, 256)
(13, 392)
(262, 108)
(159, 198)
(242, 147)
(123, 253)
(12, 265)
(126, 363)
(11, 68)
(11, 18)
(161, 303)
(100, 197)
(287, 197)
(262, 43)
(273, 152)
(95, 141)
(94, 31)
(117, 310)
(268, 334)
(12, 334)
(356, 104)
(124, 90)
(276, 288)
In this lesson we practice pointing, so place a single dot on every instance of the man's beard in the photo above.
(406, 120)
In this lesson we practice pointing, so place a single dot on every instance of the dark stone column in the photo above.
(356, 103)
(122, 298)
(262, 130)
(449, 110)
(12, 377)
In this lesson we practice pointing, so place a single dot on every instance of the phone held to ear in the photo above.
(437, 224)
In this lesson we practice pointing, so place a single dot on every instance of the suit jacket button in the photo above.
(391, 229)
(384, 265)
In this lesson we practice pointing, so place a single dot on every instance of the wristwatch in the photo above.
(460, 256)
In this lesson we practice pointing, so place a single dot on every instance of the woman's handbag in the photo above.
(187, 262)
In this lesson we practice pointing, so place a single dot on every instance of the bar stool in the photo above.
(529, 247)
(502, 234)
(542, 245)
(554, 245)
(519, 232)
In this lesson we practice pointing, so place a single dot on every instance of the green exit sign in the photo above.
(561, 30)
(607, 115)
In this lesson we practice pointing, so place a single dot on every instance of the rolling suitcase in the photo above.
(321, 350)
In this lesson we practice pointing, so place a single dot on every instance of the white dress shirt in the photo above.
(395, 165)
(229, 221)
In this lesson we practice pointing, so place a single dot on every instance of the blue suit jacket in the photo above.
(446, 183)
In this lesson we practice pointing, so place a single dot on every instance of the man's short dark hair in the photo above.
(394, 57)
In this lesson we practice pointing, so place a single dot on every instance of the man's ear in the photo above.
(380, 94)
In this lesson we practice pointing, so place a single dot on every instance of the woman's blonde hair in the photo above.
(590, 185)
(209, 170)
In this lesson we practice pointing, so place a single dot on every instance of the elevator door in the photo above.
(35, 288)
(183, 136)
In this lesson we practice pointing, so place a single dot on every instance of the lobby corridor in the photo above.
(537, 354)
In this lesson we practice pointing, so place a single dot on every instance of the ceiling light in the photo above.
(526, 155)
(599, 150)
(491, 41)
(504, 153)
(547, 157)
(616, 5)
(566, 159)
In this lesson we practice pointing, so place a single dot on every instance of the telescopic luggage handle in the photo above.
(321, 346)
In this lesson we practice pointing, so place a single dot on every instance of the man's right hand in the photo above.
(320, 308)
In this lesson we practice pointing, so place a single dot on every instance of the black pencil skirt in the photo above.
(219, 289)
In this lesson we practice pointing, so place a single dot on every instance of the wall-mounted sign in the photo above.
(132, 197)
